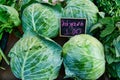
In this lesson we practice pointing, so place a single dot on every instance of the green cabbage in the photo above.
(82, 9)
(35, 58)
(42, 19)
(83, 57)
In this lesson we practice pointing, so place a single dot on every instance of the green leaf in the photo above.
(101, 14)
(96, 26)
(108, 30)
(9, 18)
(110, 7)
(111, 69)
(114, 70)
(110, 58)
(106, 21)
(2, 1)
(116, 43)
(118, 25)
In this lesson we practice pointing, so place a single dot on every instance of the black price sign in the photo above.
(70, 27)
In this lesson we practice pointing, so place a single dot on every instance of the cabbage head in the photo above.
(82, 9)
(42, 19)
(83, 57)
(35, 58)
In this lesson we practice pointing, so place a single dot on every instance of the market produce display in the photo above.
(94, 55)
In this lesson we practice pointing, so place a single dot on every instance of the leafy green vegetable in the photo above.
(11, 3)
(42, 19)
(118, 25)
(116, 43)
(114, 70)
(106, 34)
(35, 58)
(110, 7)
(2, 1)
(83, 57)
(107, 31)
(9, 18)
(82, 9)
(21, 4)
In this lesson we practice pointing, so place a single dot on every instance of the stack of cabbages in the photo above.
(37, 57)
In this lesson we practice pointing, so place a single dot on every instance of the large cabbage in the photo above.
(83, 57)
(35, 58)
(42, 19)
(82, 9)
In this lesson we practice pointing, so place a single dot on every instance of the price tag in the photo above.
(72, 26)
